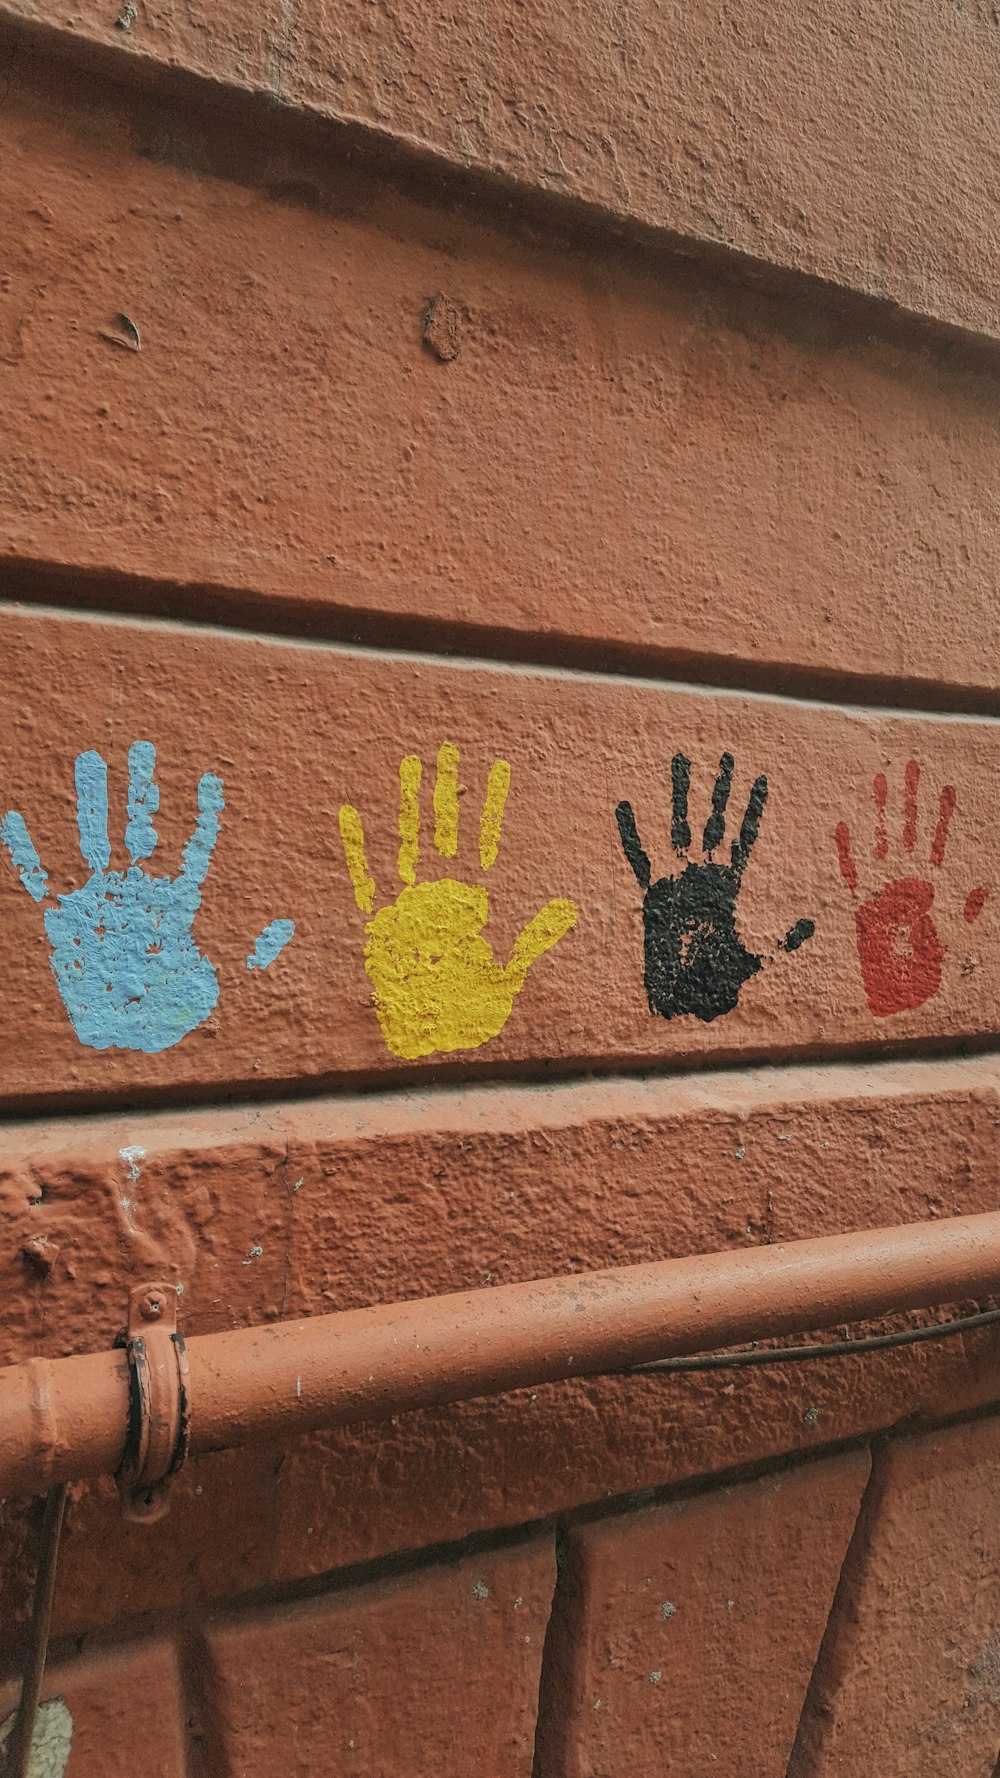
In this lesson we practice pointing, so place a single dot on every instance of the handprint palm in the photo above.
(695, 960)
(123, 953)
(437, 986)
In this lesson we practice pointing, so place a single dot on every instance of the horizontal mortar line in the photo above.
(95, 1108)
(436, 175)
(572, 672)
(401, 1564)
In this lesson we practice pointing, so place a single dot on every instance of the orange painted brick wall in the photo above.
(498, 746)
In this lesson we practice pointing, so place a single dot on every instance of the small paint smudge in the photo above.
(518, 1602)
(271, 943)
(480, 1590)
(729, 1604)
(668, 1609)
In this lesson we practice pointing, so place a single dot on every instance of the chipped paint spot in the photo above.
(255, 1253)
(51, 1741)
(133, 1158)
(668, 1609)
(654, 1678)
(480, 1590)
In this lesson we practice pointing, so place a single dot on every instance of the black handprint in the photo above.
(696, 961)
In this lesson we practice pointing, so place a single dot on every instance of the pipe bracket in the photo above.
(158, 1436)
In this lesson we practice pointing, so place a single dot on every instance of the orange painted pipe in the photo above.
(66, 1418)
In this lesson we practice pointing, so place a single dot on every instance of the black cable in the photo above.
(18, 1761)
(720, 1361)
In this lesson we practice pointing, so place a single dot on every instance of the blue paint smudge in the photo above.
(23, 856)
(143, 800)
(92, 810)
(123, 953)
(271, 943)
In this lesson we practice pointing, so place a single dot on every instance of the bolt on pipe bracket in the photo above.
(159, 1421)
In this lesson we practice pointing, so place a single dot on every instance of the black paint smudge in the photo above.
(696, 962)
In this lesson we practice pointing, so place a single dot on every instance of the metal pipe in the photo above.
(66, 1418)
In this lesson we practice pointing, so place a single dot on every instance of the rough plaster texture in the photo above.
(620, 457)
(297, 732)
(283, 1211)
(686, 1635)
(855, 144)
(908, 1684)
(245, 377)
(434, 1675)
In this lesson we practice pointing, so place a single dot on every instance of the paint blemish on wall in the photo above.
(437, 986)
(51, 1741)
(271, 943)
(899, 948)
(123, 952)
(695, 960)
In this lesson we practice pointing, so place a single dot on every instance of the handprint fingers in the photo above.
(632, 845)
(549, 925)
(946, 809)
(750, 827)
(23, 856)
(446, 801)
(911, 784)
(680, 776)
(715, 826)
(270, 944)
(92, 810)
(143, 801)
(352, 836)
(197, 854)
(410, 773)
(845, 857)
(491, 820)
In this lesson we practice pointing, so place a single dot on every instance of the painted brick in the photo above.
(371, 1199)
(424, 1677)
(854, 143)
(109, 1715)
(623, 460)
(908, 1680)
(685, 1636)
(298, 733)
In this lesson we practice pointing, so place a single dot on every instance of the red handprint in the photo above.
(898, 944)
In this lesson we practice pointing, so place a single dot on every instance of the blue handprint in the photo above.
(123, 955)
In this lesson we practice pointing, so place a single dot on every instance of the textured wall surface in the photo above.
(498, 757)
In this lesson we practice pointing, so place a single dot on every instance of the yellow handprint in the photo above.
(436, 984)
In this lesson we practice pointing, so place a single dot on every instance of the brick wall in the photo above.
(537, 464)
